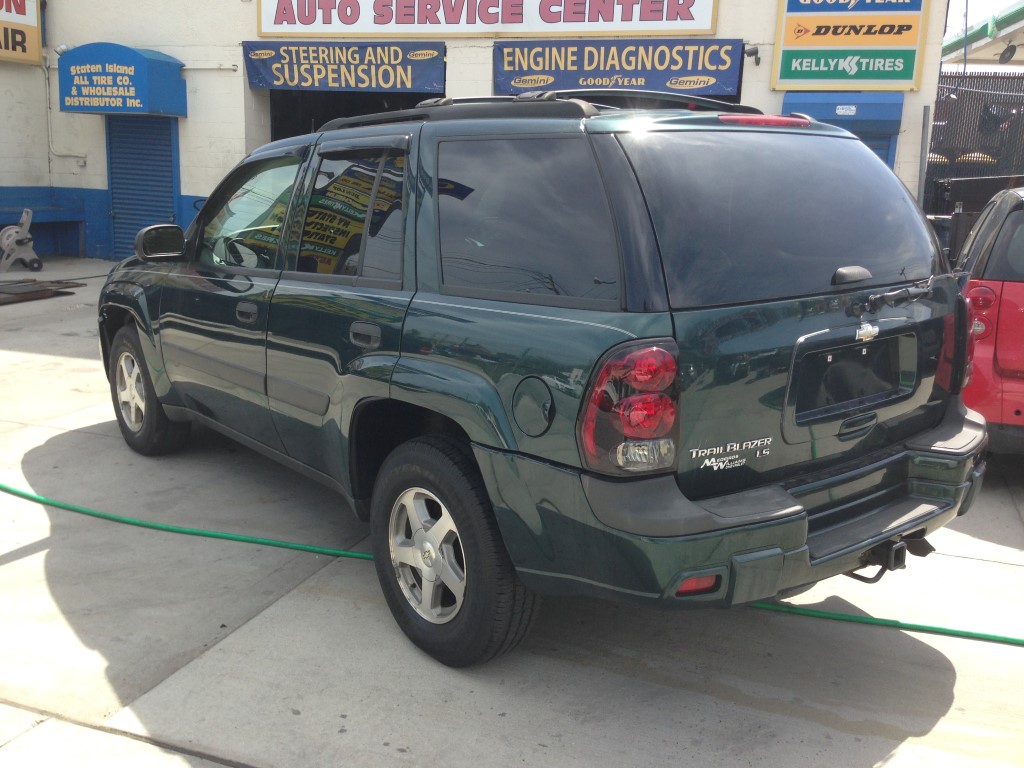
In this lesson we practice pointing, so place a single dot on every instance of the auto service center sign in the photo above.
(482, 18)
(20, 38)
(849, 45)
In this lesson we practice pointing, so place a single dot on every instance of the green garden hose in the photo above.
(778, 607)
(186, 531)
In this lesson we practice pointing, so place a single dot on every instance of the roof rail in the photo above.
(539, 104)
(620, 98)
(468, 109)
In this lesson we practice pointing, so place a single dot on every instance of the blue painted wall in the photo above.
(72, 222)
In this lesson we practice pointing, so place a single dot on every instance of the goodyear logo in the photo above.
(264, 54)
(694, 81)
(532, 81)
(421, 55)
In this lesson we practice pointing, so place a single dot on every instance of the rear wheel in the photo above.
(142, 420)
(440, 559)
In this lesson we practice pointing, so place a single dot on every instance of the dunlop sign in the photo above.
(20, 38)
(484, 18)
(708, 67)
(850, 45)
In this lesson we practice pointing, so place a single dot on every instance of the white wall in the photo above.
(226, 119)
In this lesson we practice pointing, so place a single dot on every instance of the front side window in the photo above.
(528, 217)
(243, 225)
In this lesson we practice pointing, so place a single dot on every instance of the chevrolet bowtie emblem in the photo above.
(867, 332)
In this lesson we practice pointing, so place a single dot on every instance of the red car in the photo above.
(993, 255)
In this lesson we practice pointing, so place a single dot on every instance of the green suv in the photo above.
(693, 357)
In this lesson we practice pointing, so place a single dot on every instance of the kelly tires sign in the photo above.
(850, 45)
(481, 18)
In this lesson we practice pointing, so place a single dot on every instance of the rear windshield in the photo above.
(746, 216)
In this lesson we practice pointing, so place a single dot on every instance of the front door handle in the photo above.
(247, 312)
(365, 335)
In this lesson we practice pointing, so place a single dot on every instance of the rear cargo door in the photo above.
(771, 263)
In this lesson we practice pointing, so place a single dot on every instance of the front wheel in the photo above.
(440, 559)
(142, 420)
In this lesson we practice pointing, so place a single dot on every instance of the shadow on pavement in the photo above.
(594, 682)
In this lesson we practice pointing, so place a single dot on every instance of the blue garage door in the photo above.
(142, 152)
(883, 146)
(875, 118)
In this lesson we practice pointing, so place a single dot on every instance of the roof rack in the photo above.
(538, 104)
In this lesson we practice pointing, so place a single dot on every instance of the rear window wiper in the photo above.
(900, 296)
(895, 298)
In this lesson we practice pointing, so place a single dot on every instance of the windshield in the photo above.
(743, 216)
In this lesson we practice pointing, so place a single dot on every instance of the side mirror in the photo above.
(160, 242)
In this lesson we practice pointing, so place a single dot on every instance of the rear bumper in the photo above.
(571, 533)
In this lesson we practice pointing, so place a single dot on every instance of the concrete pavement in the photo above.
(124, 647)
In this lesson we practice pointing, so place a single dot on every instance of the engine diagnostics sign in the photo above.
(706, 67)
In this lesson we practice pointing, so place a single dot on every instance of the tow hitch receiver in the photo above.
(888, 556)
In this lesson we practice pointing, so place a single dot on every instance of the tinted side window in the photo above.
(332, 236)
(243, 220)
(967, 248)
(382, 256)
(1007, 259)
(525, 216)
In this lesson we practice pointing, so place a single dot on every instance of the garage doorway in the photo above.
(294, 113)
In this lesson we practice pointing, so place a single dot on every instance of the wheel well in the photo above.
(381, 426)
(114, 319)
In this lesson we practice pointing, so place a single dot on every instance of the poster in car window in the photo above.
(336, 217)
(700, 67)
(850, 45)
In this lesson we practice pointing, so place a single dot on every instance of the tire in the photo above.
(442, 565)
(35, 265)
(142, 420)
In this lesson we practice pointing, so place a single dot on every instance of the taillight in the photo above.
(628, 421)
(980, 299)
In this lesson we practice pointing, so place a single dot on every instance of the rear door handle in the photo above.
(365, 335)
(247, 312)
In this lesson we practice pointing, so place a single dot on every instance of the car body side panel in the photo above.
(513, 375)
(136, 290)
(316, 370)
(213, 336)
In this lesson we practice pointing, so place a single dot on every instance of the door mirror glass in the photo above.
(163, 242)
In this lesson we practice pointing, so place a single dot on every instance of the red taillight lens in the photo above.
(981, 298)
(645, 416)
(629, 412)
(650, 370)
(773, 121)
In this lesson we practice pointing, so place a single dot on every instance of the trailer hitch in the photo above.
(888, 556)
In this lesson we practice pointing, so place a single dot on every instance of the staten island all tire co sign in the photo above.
(849, 45)
(484, 18)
